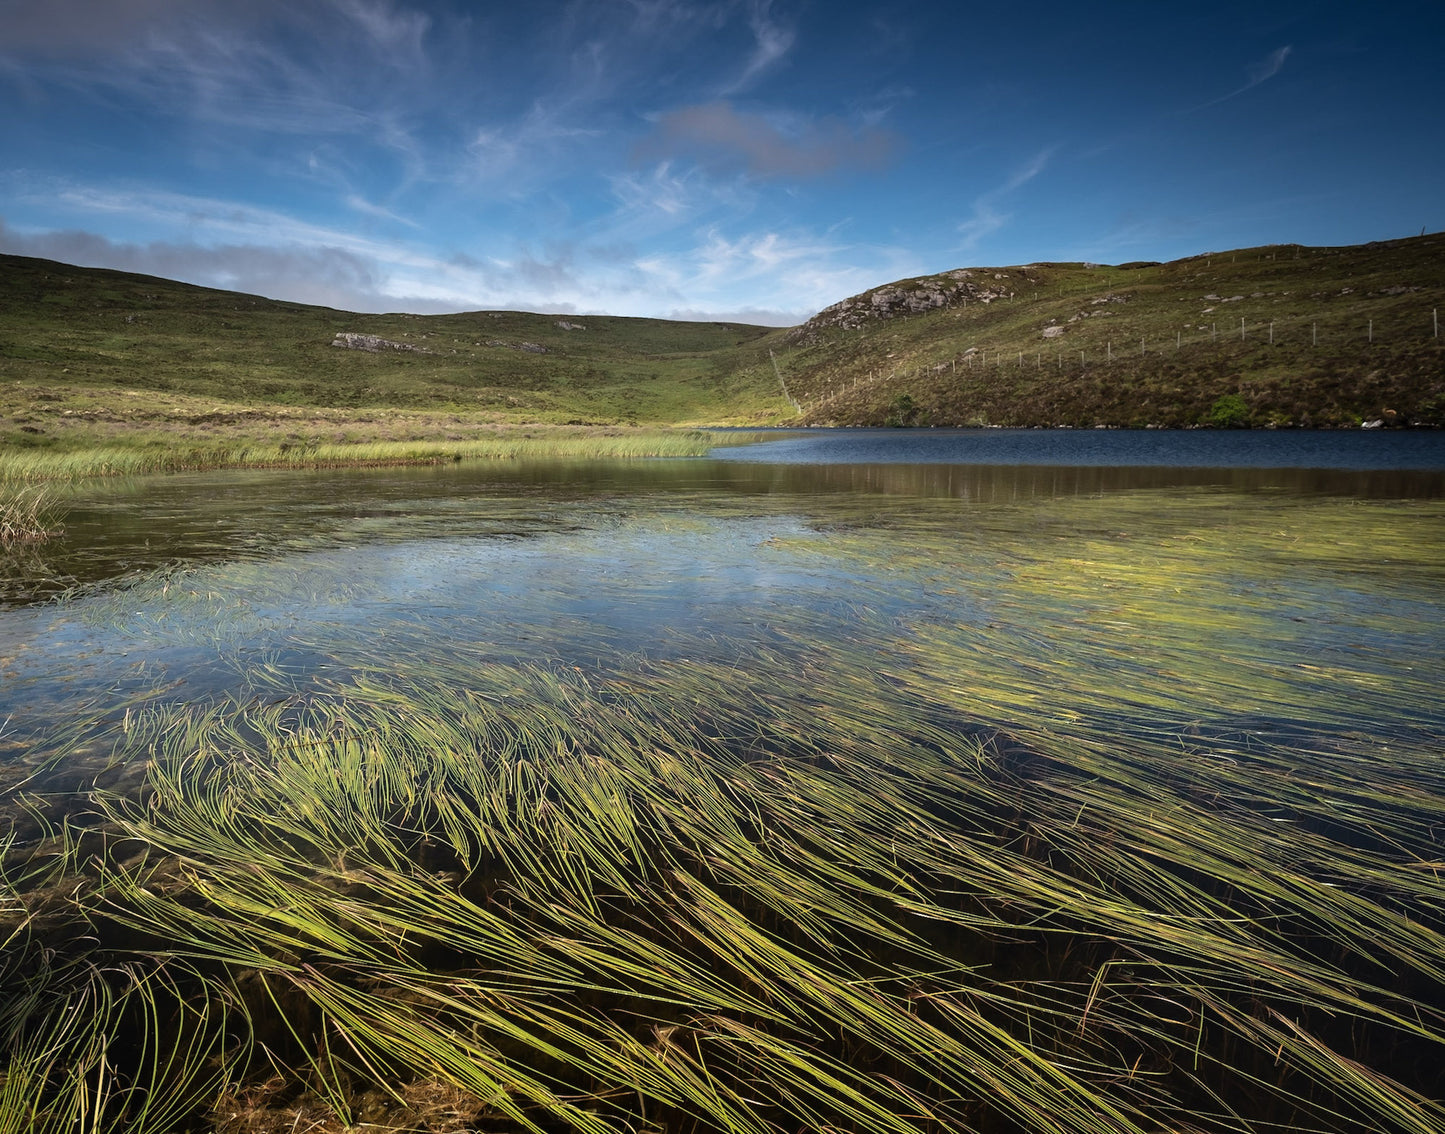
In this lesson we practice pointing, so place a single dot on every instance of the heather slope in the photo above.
(1284, 335)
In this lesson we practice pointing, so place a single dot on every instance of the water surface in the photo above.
(1094, 579)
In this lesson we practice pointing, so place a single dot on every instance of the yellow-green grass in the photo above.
(28, 513)
(1103, 851)
(559, 443)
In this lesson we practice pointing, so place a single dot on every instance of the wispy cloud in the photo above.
(1259, 72)
(724, 139)
(772, 41)
(988, 216)
(361, 205)
(789, 273)
(307, 69)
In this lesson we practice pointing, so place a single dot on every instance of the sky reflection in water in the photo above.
(1152, 597)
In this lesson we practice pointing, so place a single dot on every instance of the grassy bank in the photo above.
(517, 443)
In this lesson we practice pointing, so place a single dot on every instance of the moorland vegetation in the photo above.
(173, 375)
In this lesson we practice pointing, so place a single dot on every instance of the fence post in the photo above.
(1372, 330)
(1241, 328)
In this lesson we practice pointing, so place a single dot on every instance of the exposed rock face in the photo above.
(530, 348)
(566, 326)
(1053, 332)
(373, 343)
(907, 297)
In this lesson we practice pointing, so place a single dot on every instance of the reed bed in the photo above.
(1064, 824)
(517, 444)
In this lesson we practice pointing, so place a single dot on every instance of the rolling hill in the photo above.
(1277, 336)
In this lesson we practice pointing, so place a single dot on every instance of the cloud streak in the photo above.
(1260, 72)
(987, 216)
(772, 42)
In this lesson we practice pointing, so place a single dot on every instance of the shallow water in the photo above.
(1273, 594)
(1095, 758)
(1115, 448)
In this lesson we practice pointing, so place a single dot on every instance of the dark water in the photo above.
(1372, 449)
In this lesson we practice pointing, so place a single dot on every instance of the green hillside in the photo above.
(1282, 335)
(122, 352)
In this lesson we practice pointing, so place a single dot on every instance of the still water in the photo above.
(1114, 448)
(1212, 581)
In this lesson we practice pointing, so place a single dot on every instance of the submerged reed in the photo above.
(1071, 839)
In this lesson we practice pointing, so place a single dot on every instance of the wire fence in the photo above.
(1226, 340)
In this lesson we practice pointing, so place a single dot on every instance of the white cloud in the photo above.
(367, 208)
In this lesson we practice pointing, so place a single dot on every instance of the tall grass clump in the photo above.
(28, 513)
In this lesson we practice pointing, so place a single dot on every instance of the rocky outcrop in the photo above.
(351, 340)
(908, 297)
(566, 326)
(530, 348)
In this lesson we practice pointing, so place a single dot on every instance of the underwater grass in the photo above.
(1116, 847)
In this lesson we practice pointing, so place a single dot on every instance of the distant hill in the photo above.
(1275, 336)
(91, 331)
(1284, 335)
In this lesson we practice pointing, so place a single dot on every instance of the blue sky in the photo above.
(737, 159)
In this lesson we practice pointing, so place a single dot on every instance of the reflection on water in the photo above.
(118, 528)
(1146, 597)
(1113, 448)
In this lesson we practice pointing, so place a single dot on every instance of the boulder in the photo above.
(351, 340)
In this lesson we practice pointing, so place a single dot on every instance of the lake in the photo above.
(853, 774)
